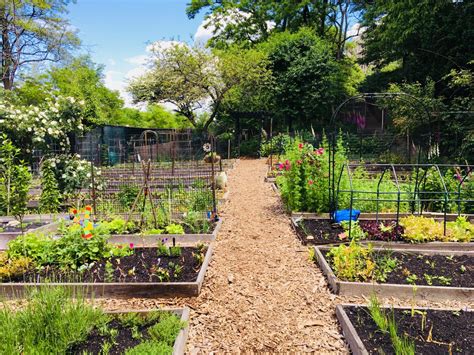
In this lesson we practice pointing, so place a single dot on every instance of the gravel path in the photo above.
(261, 294)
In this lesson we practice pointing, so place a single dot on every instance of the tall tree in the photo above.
(32, 31)
(427, 37)
(194, 79)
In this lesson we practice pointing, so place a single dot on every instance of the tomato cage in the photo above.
(389, 191)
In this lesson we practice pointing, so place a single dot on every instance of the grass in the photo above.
(52, 322)
(401, 344)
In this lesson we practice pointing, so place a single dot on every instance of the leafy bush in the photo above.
(275, 145)
(71, 251)
(127, 195)
(174, 229)
(50, 195)
(11, 268)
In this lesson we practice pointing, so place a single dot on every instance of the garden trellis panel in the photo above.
(405, 188)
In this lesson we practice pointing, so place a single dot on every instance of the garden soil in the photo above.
(261, 293)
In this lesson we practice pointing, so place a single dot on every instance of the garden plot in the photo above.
(416, 331)
(60, 322)
(426, 233)
(11, 228)
(357, 270)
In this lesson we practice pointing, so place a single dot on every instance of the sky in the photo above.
(116, 33)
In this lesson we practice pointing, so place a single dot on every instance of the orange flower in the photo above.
(87, 236)
(88, 208)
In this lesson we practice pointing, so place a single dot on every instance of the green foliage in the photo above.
(150, 348)
(422, 229)
(155, 116)
(402, 345)
(19, 188)
(83, 80)
(48, 324)
(167, 329)
(352, 262)
(127, 195)
(275, 145)
(174, 229)
(194, 221)
(356, 232)
(71, 251)
(50, 198)
(12, 268)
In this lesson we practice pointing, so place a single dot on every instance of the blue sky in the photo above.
(116, 32)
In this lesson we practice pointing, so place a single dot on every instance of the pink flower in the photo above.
(319, 151)
(300, 146)
(298, 162)
(280, 166)
(342, 236)
(132, 245)
(310, 182)
(287, 165)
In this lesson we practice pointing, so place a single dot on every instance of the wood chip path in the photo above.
(261, 294)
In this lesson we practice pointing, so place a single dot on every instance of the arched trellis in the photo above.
(412, 100)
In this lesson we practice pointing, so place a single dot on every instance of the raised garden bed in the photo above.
(433, 331)
(136, 275)
(33, 225)
(437, 275)
(320, 231)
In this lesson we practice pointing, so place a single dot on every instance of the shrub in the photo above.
(352, 262)
(50, 195)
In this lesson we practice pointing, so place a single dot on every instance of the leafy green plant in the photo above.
(127, 195)
(50, 198)
(401, 344)
(356, 232)
(48, 324)
(352, 262)
(194, 221)
(10, 268)
(174, 229)
(421, 229)
(20, 188)
(162, 274)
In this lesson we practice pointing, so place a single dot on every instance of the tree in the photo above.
(427, 37)
(155, 116)
(309, 82)
(194, 79)
(252, 21)
(83, 80)
(32, 31)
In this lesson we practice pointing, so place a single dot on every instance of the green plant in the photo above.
(50, 198)
(118, 226)
(174, 229)
(385, 265)
(401, 344)
(352, 262)
(176, 269)
(150, 348)
(48, 324)
(175, 251)
(153, 231)
(411, 279)
(10, 268)
(163, 249)
(421, 229)
(127, 195)
(194, 221)
(109, 272)
(167, 329)
(162, 274)
(8, 159)
(356, 232)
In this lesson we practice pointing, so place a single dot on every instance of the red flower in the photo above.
(300, 146)
(74, 211)
(298, 162)
(132, 245)
(310, 182)
(87, 236)
(88, 208)
(319, 151)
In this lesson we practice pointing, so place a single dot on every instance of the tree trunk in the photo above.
(7, 79)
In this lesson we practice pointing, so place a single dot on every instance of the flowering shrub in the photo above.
(42, 126)
(73, 174)
(305, 180)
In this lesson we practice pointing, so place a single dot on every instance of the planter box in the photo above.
(5, 237)
(384, 215)
(352, 338)
(120, 289)
(179, 346)
(153, 239)
(432, 293)
(270, 179)
(460, 246)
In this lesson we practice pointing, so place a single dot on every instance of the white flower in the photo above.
(206, 147)
(88, 175)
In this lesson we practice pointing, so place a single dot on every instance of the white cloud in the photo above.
(112, 62)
